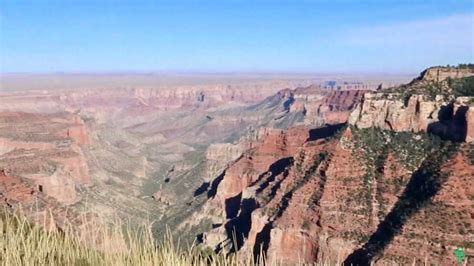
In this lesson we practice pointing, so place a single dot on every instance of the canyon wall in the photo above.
(325, 201)
(417, 114)
(168, 98)
(431, 103)
(439, 74)
(393, 187)
(273, 171)
(219, 155)
(46, 149)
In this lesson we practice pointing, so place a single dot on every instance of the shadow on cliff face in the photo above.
(288, 102)
(232, 206)
(201, 189)
(239, 210)
(262, 242)
(275, 169)
(213, 190)
(324, 132)
(210, 188)
(423, 185)
(451, 126)
(238, 228)
(262, 239)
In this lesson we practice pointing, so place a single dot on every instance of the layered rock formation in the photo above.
(218, 156)
(319, 105)
(258, 169)
(276, 166)
(416, 114)
(324, 202)
(14, 191)
(276, 145)
(439, 74)
(46, 149)
(393, 188)
(141, 151)
(470, 125)
(159, 99)
(417, 107)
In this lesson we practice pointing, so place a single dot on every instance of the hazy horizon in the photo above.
(210, 72)
(41, 81)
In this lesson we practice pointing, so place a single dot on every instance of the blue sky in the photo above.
(283, 36)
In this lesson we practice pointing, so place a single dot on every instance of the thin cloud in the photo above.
(449, 31)
(404, 46)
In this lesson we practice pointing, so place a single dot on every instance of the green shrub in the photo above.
(463, 86)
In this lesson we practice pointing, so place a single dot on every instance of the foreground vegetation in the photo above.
(22, 243)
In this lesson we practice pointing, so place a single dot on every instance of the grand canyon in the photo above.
(301, 170)
(232, 133)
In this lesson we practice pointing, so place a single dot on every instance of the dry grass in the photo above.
(25, 244)
(22, 243)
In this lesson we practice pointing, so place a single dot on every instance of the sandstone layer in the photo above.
(141, 151)
(417, 114)
(394, 187)
(46, 149)
(442, 73)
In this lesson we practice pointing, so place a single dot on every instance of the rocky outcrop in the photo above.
(323, 106)
(417, 113)
(470, 124)
(444, 224)
(267, 176)
(368, 195)
(13, 191)
(288, 186)
(324, 201)
(218, 157)
(47, 150)
(77, 131)
(111, 100)
(389, 112)
(276, 145)
(439, 74)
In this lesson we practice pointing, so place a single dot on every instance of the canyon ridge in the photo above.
(301, 168)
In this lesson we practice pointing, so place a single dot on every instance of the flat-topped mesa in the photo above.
(439, 74)
(452, 120)
(166, 98)
(208, 96)
(390, 112)
(440, 101)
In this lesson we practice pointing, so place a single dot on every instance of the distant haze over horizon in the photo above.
(47, 81)
(262, 37)
(204, 73)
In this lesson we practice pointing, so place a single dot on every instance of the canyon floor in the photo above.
(364, 169)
